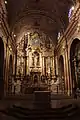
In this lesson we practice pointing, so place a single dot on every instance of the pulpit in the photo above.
(42, 99)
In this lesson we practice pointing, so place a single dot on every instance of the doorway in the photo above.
(75, 63)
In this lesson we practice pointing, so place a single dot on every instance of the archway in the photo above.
(10, 74)
(75, 63)
(61, 74)
(1, 68)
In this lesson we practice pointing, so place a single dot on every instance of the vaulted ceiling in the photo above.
(47, 16)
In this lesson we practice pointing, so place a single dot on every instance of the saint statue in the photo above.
(37, 60)
(32, 61)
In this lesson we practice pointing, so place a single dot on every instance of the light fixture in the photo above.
(72, 8)
(59, 35)
(63, 47)
(26, 49)
(14, 35)
(70, 12)
(5, 2)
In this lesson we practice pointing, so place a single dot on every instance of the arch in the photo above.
(75, 63)
(61, 74)
(1, 67)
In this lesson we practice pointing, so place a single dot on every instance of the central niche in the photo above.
(35, 59)
(35, 55)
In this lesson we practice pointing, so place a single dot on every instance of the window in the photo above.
(70, 12)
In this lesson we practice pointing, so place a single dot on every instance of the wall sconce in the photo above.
(63, 47)
(14, 35)
(5, 2)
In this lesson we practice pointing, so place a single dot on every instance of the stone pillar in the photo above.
(70, 76)
(65, 72)
(7, 66)
(6, 71)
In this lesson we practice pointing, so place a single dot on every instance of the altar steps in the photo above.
(21, 113)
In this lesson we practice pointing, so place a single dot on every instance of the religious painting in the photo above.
(35, 40)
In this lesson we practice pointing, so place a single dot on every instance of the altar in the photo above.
(42, 99)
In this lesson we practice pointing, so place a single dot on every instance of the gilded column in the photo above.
(56, 65)
(43, 65)
(40, 60)
(28, 67)
(46, 64)
(53, 66)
